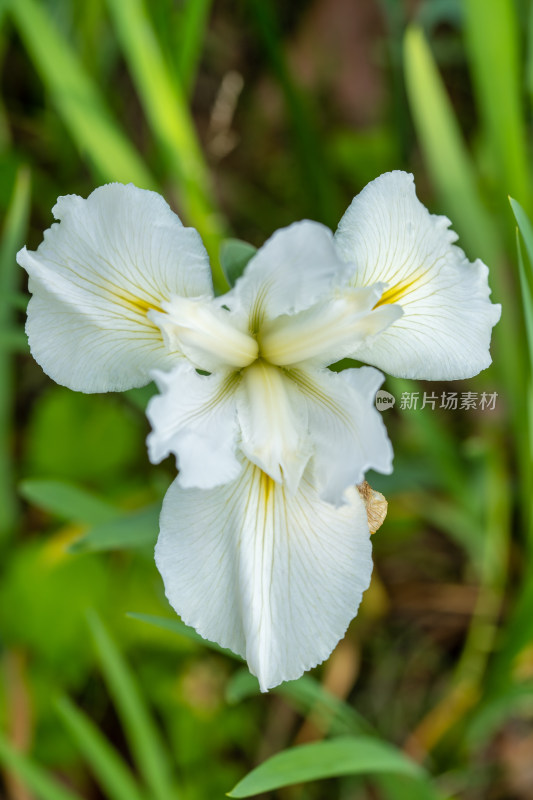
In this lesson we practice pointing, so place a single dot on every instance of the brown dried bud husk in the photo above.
(376, 506)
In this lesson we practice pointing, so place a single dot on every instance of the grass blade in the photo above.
(143, 737)
(492, 43)
(193, 24)
(77, 99)
(526, 286)
(343, 756)
(32, 775)
(454, 177)
(308, 696)
(12, 237)
(166, 109)
(112, 773)
(445, 153)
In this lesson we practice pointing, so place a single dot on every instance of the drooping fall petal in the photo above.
(275, 577)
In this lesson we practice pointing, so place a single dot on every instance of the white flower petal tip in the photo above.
(276, 578)
(194, 417)
(445, 330)
(111, 259)
(290, 272)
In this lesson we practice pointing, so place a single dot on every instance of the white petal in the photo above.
(328, 331)
(274, 577)
(194, 417)
(273, 424)
(209, 335)
(445, 330)
(347, 431)
(112, 258)
(292, 270)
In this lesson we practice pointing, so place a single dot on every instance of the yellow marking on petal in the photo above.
(138, 304)
(267, 486)
(142, 305)
(397, 292)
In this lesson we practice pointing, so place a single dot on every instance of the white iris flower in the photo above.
(264, 543)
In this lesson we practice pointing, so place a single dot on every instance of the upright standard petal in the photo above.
(444, 332)
(194, 417)
(330, 330)
(289, 273)
(346, 430)
(113, 257)
(274, 577)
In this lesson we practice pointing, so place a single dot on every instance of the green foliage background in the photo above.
(248, 116)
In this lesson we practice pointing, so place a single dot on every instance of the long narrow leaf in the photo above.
(12, 236)
(112, 772)
(146, 745)
(452, 172)
(166, 109)
(77, 98)
(445, 153)
(192, 32)
(32, 775)
(343, 756)
(526, 286)
(492, 43)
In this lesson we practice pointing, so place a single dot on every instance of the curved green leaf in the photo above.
(329, 759)
(112, 772)
(71, 502)
(136, 529)
(32, 775)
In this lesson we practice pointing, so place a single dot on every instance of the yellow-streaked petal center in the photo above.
(326, 331)
(398, 292)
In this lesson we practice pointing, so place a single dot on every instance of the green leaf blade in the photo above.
(141, 732)
(13, 232)
(137, 529)
(69, 501)
(113, 774)
(445, 153)
(77, 99)
(493, 47)
(32, 775)
(165, 105)
(333, 758)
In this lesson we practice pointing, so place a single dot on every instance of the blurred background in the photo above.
(248, 116)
